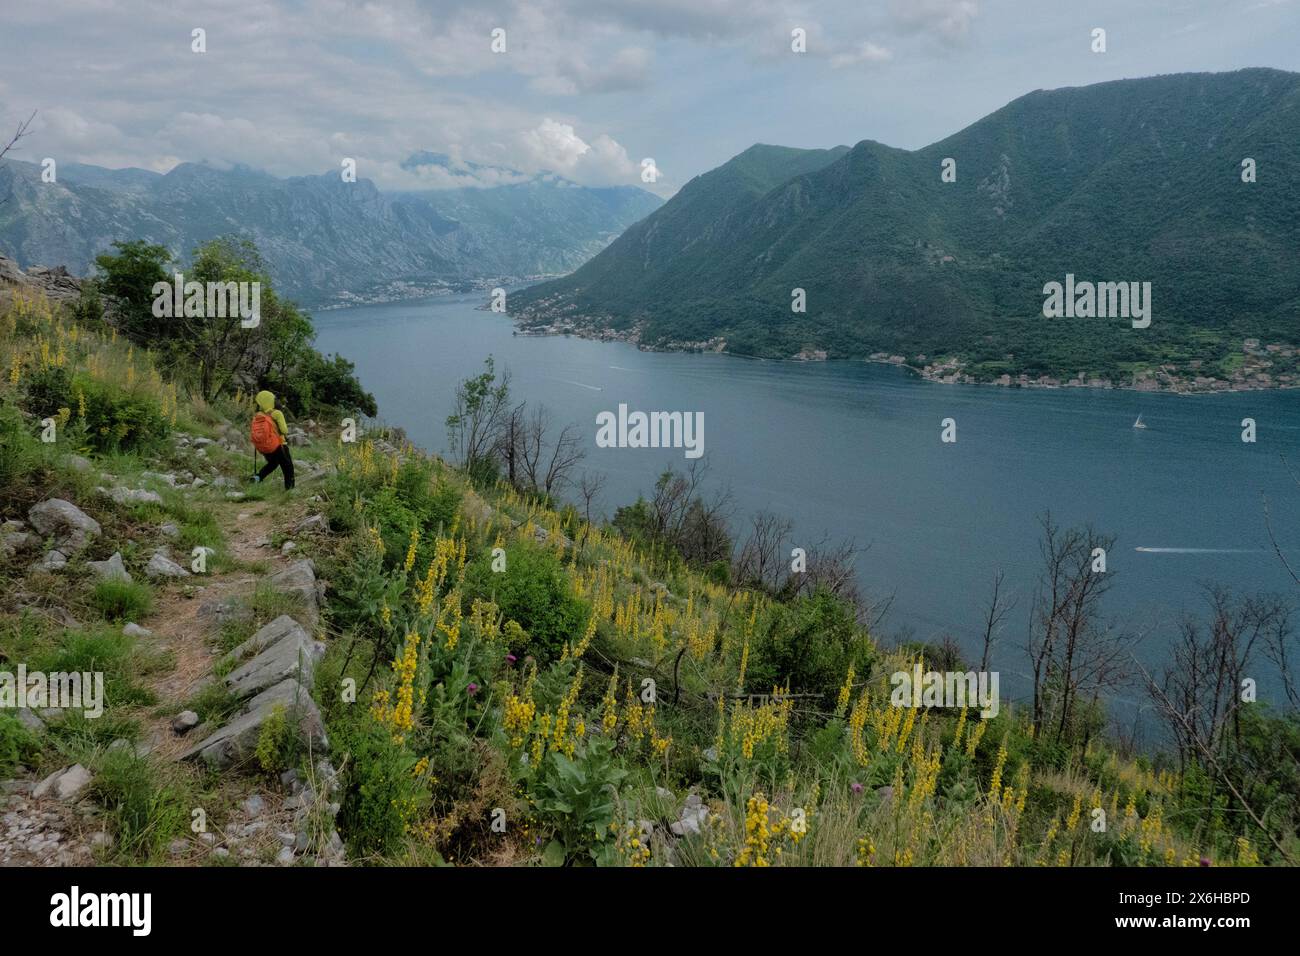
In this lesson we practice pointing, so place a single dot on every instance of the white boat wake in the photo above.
(1200, 550)
(594, 388)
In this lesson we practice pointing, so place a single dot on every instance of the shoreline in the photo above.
(947, 373)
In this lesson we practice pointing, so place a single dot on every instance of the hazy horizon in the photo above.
(584, 90)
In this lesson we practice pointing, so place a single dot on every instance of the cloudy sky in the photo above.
(585, 88)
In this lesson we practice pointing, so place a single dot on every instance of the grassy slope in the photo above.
(505, 717)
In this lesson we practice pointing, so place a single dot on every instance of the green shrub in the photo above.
(380, 791)
(534, 591)
(17, 744)
(433, 501)
(119, 600)
(395, 520)
(120, 420)
(273, 741)
(323, 385)
(809, 643)
(576, 798)
(46, 390)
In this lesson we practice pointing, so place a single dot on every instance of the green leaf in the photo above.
(553, 855)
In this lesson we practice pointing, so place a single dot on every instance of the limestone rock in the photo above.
(237, 741)
(131, 496)
(111, 570)
(282, 649)
(63, 784)
(161, 566)
(299, 579)
(53, 560)
(312, 524)
(217, 611)
(692, 818)
(70, 526)
(15, 542)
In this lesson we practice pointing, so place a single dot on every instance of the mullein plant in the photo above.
(888, 810)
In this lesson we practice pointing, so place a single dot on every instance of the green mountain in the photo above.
(1128, 181)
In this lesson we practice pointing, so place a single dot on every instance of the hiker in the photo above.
(269, 434)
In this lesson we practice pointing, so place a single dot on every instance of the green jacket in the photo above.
(266, 402)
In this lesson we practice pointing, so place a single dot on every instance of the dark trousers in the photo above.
(278, 459)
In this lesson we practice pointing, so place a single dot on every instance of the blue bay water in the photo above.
(853, 450)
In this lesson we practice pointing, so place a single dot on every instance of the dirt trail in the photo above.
(51, 833)
(177, 628)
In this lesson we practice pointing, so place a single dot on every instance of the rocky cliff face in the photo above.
(54, 281)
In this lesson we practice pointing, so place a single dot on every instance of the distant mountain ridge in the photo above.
(319, 235)
(1120, 181)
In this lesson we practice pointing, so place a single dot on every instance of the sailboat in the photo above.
(1138, 423)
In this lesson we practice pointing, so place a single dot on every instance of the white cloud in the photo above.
(865, 52)
(557, 147)
(948, 19)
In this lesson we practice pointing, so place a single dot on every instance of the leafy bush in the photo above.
(324, 386)
(533, 591)
(380, 792)
(46, 390)
(120, 420)
(576, 797)
(810, 643)
(273, 741)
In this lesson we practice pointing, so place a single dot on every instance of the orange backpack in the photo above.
(266, 437)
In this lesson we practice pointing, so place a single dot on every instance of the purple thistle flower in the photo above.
(510, 658)
(473, 689)
(855, 787)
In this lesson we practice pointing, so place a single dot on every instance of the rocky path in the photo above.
(48, 822)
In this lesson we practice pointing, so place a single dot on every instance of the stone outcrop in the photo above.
(280, 650)
(236, 743)
(71, 527)
(299, 580)
(110, 570)
(65, 784)
(161, 566)
(55, 282)
(274, 671)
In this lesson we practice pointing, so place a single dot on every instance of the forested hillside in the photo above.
(1127, 181)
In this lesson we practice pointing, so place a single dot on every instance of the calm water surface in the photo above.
(853, 450)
